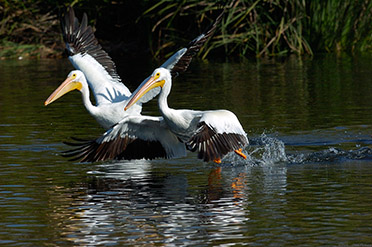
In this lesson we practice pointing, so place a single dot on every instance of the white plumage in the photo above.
(106, 114)
(96, 71)
(129, 135)
(106, 88)
(212, 134)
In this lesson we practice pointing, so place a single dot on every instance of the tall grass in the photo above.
(249, 27)
(268, 27)
(341, 25)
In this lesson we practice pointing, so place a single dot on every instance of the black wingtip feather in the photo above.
(79, 38)
(216, 145)
(117, 149)
(194, 46)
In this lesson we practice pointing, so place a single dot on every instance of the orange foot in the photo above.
(217, 161)
(239, 152)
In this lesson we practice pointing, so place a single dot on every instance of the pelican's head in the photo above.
(157, 79)
(73, 81)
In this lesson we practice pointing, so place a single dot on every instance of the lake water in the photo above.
(307, 180)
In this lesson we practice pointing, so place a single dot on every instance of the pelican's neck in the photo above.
(176, 121)
(163, 98)
(86, 98)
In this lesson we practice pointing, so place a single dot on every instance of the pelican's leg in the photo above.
(240, 153)
(217, 161)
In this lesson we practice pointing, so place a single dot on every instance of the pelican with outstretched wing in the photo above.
(212, 134)
(129, 134)
(95, 70)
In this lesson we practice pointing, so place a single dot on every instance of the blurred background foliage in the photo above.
(249, 28)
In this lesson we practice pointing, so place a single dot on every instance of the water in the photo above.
(307, 179)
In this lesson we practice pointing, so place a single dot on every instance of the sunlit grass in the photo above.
(10, 49)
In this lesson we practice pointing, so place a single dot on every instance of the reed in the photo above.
(268, 27)
(249, 28)
(340, 25)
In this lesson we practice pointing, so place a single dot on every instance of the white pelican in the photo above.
(96, 68)
(212, 134)
(129, 135)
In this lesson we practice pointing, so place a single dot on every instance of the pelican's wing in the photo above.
(217, 134)
(134, 137)
(179, 62)
(87, 55)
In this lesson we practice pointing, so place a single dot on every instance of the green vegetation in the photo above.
(272, 27)
(27, 30)
(340, 25)
(249, 28)
(10, 49)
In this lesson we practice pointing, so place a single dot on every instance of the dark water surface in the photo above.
(307, 180)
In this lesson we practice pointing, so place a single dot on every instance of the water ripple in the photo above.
(266, 150)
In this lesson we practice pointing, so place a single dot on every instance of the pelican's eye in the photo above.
(74, 75)
(157, 74)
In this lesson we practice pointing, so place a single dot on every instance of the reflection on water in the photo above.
(307, 179)
(163, 205)
(258, 204)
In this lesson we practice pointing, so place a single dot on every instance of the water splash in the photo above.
(265, 150)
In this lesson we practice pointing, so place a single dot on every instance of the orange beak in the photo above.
(153, 82)
(68, 85)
